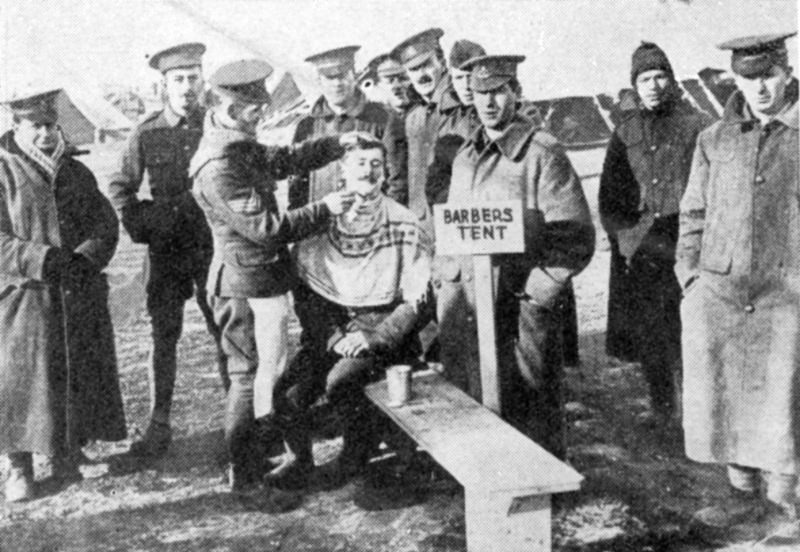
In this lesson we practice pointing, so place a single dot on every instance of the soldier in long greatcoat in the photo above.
(644, 176)
(58, 378)
(738, 261)
(510, 158)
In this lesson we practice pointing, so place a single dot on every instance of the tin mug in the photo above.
(398, 383)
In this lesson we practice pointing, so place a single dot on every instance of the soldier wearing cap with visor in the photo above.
(343, 107)
(433, 129)
(738, 261)
(58, 372)
(391, 80)
(508, 158)
(251, 273)
(171, 224)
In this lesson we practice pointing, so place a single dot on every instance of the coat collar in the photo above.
(321, 109)
(215, 139)
(444, 96)
(194, 119)
(511, 142)
(737, 112)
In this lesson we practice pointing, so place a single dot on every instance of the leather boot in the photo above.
(155, 443)
(739, 507)
(298, 460)
(19, 483)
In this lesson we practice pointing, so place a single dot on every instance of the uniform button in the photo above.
(655, 181)
(749, 308)
(653, 147)
(470, 318)
(657, 215)
(759, 179)
(468, 278)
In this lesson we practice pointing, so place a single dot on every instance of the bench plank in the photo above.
(478, 448)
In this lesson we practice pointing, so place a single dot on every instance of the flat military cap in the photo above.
(243, 80)
(181, 55)
(418, 49)
(490, 72)
(386, 66)
(464, 50)
(754, 55)
(35, 105)
(335, 62)
(370, 71)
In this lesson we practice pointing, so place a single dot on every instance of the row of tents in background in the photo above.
(579, 122)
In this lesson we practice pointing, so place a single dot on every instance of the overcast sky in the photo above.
(572, 46)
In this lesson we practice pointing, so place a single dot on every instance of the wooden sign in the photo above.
(479, 228)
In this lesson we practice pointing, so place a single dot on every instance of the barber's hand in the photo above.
(339, 202)
(352, 345)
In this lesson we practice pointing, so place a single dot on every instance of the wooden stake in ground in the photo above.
(482, 229)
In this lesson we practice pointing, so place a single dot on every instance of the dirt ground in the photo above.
(638, 495)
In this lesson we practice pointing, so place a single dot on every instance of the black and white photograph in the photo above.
(409, 276)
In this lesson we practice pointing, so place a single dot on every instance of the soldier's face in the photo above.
(652, 87)
(496, 107)
(363, 170)
(462, 85)
(395, 88)
(338, 89)
(183, 86)
(43, 135)
(426, 76)
(766, 93)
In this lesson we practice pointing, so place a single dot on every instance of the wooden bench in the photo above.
(507, 478)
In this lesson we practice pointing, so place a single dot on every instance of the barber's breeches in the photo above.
(529, 342)
(255, 341)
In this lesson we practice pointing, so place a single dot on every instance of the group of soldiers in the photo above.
(709, 213)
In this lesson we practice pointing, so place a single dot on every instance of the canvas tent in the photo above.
(88, 120)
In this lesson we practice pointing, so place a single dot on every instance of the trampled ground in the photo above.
(638, 495)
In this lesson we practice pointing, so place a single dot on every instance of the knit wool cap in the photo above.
(647, 57)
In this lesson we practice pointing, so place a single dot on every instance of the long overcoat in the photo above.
(738, 256)
(645, 173)
(528, 165)
(42, 395)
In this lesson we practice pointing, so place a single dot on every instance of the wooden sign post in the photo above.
(482, 229)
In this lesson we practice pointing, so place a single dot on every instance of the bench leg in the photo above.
(507, 522)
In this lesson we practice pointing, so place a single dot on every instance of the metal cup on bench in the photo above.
(398, 382)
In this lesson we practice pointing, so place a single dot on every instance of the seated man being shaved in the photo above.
(364, 286)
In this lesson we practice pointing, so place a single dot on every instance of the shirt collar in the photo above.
(322, 110)
(513, 139)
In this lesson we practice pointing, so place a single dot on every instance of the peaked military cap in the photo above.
(464, 50)
(421, 47)
(243, 80)
(383, 65)
(490, 72)
(336, 61)
(188, 54)
(36, 105)
(754, 55)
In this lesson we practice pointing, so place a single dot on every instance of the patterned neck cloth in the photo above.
(372, 258)
(49, 163)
